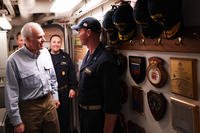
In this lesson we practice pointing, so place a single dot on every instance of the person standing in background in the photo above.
(67, 81)
(19, 40)
(98, 92)
(31, 96)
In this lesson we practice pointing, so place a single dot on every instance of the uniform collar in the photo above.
(61, 51)
(93, 57)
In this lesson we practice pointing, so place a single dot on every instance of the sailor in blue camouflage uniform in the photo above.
(67, 81)
(99, 92)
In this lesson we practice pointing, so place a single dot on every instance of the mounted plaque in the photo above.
(134, 128)
(185, 116)
(137, 99)
(157, 104)
(156, 72)
(184, 77)
(137, 67)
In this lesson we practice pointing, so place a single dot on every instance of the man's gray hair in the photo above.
(26, 30)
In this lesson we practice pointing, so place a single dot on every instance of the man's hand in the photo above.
(19, 128)
(109, 124)
(57, 103)
(72, 93)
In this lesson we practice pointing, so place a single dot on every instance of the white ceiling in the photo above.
(22, 11)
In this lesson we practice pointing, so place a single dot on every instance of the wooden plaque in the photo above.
(185, 116)
(137, 68)
(156, 73)
(184, 77)
(157, 104)
(137, 99)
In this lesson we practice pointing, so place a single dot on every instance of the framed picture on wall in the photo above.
(185, 116)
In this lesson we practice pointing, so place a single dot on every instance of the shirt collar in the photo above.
(29, 53)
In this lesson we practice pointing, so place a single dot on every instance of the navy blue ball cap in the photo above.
(88, 23)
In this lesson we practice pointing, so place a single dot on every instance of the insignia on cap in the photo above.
(63, 73)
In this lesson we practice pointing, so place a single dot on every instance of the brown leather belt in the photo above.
(90, 107)
(42, 97)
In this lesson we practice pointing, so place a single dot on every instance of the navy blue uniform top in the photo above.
(99, 80)
(65, 71)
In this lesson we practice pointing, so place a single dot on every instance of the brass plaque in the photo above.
(185, 116)
(184, 77)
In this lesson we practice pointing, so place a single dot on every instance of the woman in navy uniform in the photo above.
(99, 92)
(67, 81)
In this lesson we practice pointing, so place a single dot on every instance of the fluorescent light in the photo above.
(4, 23)
(59, 7)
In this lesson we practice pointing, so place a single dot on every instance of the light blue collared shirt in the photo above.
(29, 76)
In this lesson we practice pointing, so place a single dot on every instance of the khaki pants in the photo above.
(39, 116)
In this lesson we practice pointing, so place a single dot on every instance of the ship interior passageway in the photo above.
(157, 43)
